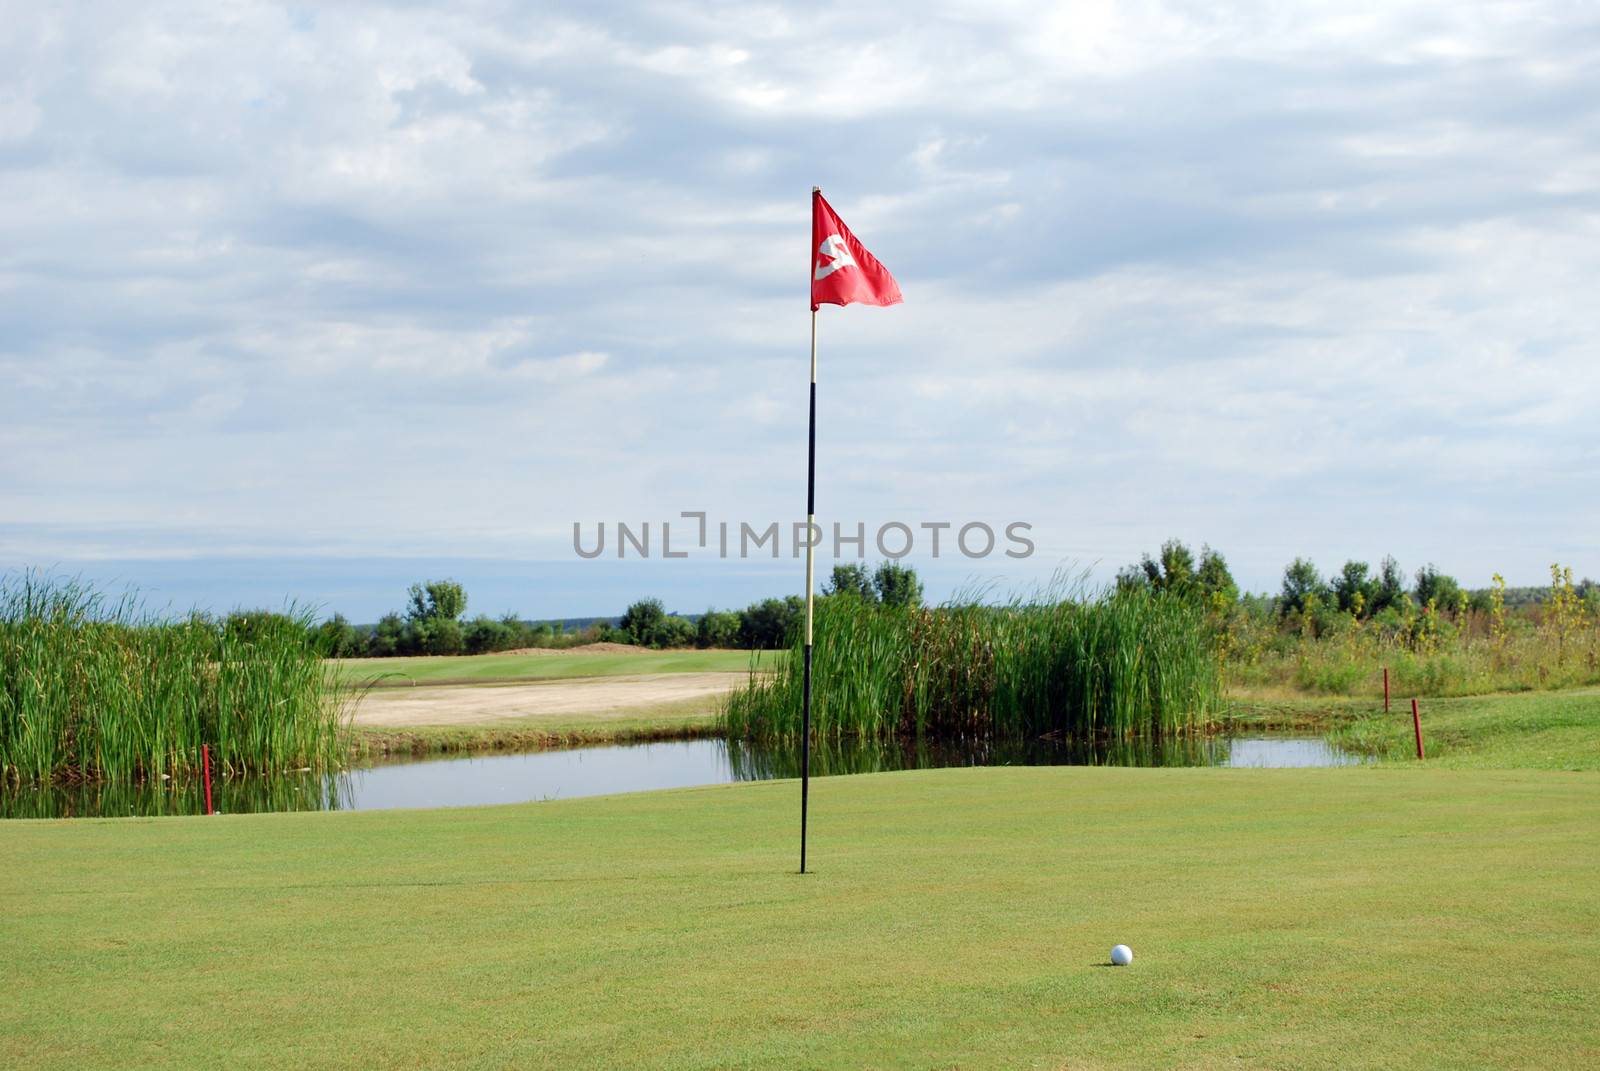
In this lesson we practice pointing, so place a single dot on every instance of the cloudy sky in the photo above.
(315, 301)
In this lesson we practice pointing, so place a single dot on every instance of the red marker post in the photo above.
(205, 758)
(1416, 722)
(1386, 689)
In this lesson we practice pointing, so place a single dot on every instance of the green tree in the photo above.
(717, 628)
(439, 636)
(1301, 582)
(483, 634)
(1353, 588)
(338, 638)
(771, 624)
(673, 631)
(897, 585)
(391, 637)
(1214, 579)
(436, 599)
(1175, 571)
(1437, 588)
(641, 620)
(1391, 590)
(851, 579)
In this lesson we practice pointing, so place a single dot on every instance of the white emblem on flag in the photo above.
(836, 253)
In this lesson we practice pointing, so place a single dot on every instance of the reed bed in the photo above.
(1111, 664)
(93, 689)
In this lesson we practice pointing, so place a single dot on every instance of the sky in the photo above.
(310, 302)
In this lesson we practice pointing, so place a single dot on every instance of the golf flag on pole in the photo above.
(842, 271)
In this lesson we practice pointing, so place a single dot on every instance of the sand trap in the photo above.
(485, 703)
(583, 648)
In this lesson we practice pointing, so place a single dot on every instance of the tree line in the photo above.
(1310, 601)
(433, 621)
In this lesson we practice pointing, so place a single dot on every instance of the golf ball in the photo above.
(1121, 955)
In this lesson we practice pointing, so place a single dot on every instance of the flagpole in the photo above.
(811, 534)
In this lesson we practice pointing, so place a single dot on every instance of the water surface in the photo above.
(598, 771)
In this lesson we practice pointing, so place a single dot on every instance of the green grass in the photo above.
(506, 668)
(1109, 664)
(1536, 730)
(1378, 917)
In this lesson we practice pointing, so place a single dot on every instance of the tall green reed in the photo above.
(1121, 663)
(97, 689)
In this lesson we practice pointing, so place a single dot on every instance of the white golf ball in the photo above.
(1122, 955)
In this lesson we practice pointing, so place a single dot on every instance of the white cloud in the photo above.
(419, 280)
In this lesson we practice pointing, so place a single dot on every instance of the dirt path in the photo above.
(487, 703)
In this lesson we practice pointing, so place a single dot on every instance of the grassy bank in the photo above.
(1537, 730)
(92, 689)
(1134, 662)
(686, 720)
(508, 668)
(1402, 918)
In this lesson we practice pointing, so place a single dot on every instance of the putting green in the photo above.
(1375, 917)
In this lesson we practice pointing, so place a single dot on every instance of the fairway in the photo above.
(539, 665)
(1378, 917)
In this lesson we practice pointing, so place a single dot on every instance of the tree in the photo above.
(484, 634)
(1132, 576)
(391, 637)
(1175, 571)
(1391, 589)
(1300, 581)
(1354, 590)
(1214, 579)
(641, 620)
(1437, 588)
(771, 623)
(338, 638)
(897, 584)
(717, 628)
(851, 579)
(439, 636)
(673, 631)
(437, 599)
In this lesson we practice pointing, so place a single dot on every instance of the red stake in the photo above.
(205, 756)
(1386, 689)
(1416, 721)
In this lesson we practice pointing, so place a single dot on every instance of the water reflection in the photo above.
(463, 782)
(756, 762)
(299, 791)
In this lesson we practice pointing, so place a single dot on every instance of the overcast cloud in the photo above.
(380, 282)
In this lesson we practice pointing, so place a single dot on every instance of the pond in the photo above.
(597, 771)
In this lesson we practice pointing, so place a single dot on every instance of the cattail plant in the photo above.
(97, 690)
(1120, 664)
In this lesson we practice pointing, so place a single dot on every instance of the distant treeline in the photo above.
(434, 623)
(1356, 589)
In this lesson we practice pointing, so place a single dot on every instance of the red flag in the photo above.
(842, 271)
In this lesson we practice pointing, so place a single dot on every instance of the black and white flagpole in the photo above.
(811, 539)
